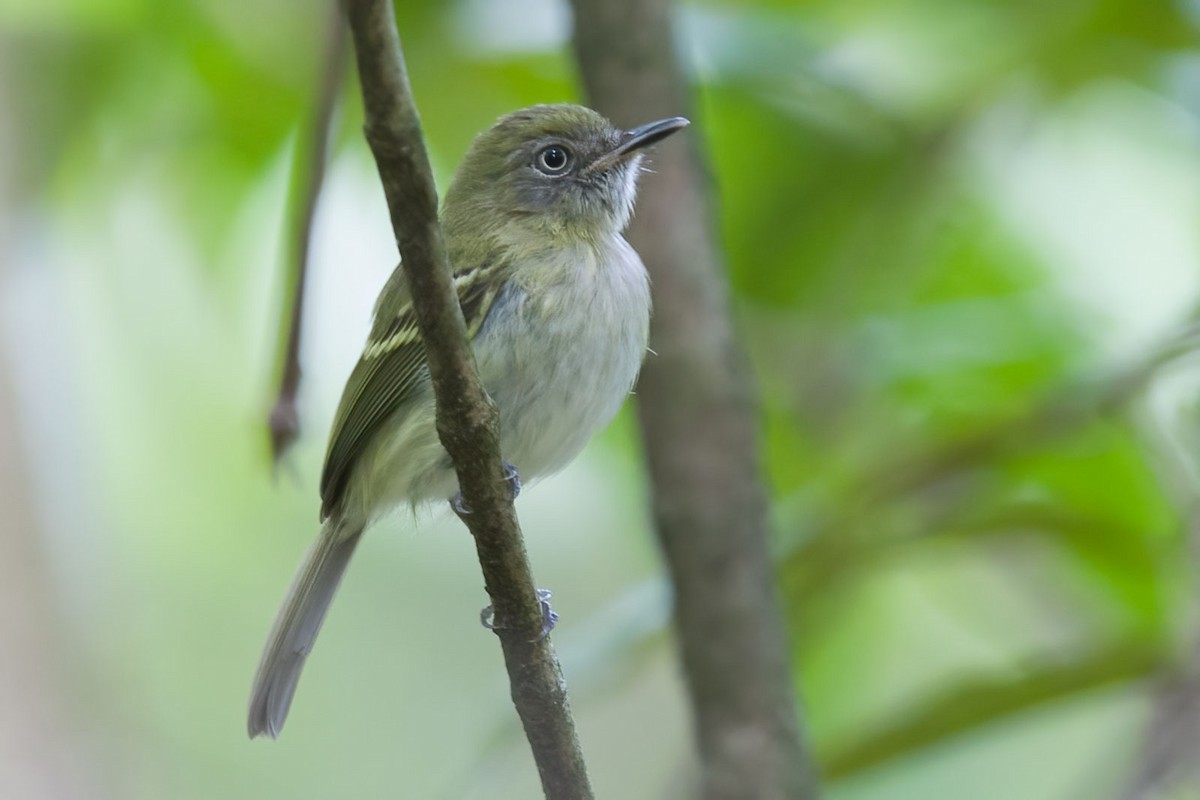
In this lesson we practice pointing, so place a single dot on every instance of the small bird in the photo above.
(557, 306)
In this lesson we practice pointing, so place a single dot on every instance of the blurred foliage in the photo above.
(962, 245)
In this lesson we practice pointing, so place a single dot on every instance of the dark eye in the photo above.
(553, 160)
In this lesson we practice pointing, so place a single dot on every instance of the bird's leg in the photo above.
(549, 615)
(511, 477)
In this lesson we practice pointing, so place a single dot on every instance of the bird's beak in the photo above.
(636, 139)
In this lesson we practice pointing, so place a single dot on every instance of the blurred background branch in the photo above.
(957, 709)
(1168, 756)
(1166, 765)
(308, 175)
(698, 409)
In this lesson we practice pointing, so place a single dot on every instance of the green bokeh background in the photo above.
(959, 231)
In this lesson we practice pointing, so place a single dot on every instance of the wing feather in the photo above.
(391, 369)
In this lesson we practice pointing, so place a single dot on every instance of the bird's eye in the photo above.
(553, 160)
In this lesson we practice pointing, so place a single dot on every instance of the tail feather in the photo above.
(297, 626)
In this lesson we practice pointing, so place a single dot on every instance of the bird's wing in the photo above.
(391, 368)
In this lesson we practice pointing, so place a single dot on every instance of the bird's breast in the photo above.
(561, 349)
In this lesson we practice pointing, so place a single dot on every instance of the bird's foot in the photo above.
(511, 477)
(549, 615)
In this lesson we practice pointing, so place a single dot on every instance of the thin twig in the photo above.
(308, 178)
(698, 409)
(466, 417)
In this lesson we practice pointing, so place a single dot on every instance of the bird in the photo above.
(557, 310)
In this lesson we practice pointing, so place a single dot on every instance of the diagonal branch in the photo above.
(697, 408)
(466, 417)
(968, 706)
(308, 177)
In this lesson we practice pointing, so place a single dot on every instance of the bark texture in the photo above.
(466, 416)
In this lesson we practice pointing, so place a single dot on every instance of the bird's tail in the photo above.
(297, 626)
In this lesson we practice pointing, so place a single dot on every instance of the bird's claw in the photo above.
(511, 477)
(549, 615)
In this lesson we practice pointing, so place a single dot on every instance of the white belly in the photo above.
(559, 361)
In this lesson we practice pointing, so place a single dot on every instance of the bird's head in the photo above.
(556, 171)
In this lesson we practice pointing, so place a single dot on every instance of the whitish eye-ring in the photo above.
(553, 160)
